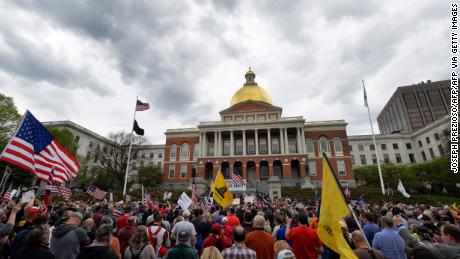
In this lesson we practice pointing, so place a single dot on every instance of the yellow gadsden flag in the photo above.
(220, 191)
(333, 209)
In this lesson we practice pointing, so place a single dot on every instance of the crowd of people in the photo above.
(70, 230)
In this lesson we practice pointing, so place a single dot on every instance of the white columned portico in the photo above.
(244, 142)
(232, 144)
(286, 141)
(256, 142)
(281, 143)
(269, 142)
(215, 143)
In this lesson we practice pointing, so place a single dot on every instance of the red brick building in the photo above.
(253, 139)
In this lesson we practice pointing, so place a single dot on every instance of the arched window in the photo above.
(310, 146)
(323, 145)
(184, 151)
(172, 152)
(338, 145)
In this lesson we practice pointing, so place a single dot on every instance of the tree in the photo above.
(66, 138)
(113, 157)
(150, 176)
(9, 119)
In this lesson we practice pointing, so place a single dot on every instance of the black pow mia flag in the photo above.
(137, 129)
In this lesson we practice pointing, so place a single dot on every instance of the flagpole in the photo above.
(129, 149)
(373, 139)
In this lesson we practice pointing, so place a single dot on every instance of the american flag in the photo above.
(62, 191)
(140, 106)
(236, 177)
(148, 200)
(194, 197)
(97, 193)
(34, 149)
(7, 195)
(116, 213)
(207, 204)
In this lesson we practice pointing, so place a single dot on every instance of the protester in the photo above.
(259, 240)
(370, 227)
(115, 243)
(239, 250)
(281, 245)
(139, 246)
(182, 250)
(211, 253)
(90, 227)
(216, 238)
(304, 240)
(363, 251)
(36, 245)
(100, 248)
(158, 236)
(185, 226)
(125, 234)
(389, 241)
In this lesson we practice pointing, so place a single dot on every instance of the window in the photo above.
(275, 146)
(310, 146)
(292, 146)
(386, 158)
(143, 155)
(361, 147)
(226, 147)
(196, 151)
(90, 144)
(412, 158)
(239, 147)
(431, 152)
(183, 170)
(341, 167)
(160, 155)
(363, 159)
(172, 171)
(323, 145)
(428, 141)
(98, 147)
(423, 155)
(350, 147)
(441, 150)
(436, 136)
(152, 155)
(398, 158)
(251, 147)
(312, 168)
(77, 139)
(211, 149)
(352, 159)
(88, 155)
(184, 151)
(142, 163)
(104, 149)
(374, 159)
(383, 146)
(395, 146)
(96, 157)
(172, 154)
(408, 145)
(159, 164)
(420, 143)
(338, 145)
(263, 146)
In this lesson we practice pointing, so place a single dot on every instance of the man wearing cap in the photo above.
(182, 250)
(68, 237)
(125, 234)
(233, 220)
(216, 238)
(185, 226)
(389, 241)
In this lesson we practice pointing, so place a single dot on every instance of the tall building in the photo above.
(255, 140)
(414, 107)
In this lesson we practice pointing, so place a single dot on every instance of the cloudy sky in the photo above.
(86, 61)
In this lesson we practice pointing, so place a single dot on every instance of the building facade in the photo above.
(420, 146)
(253, 139)
(414, 107)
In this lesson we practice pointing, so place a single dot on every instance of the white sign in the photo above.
(236, 201)
(111, 197)
(13, 192)
(234, 187)
(249, 199)
(184, 201)
(27, 196)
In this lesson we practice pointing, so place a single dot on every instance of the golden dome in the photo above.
(250, 91)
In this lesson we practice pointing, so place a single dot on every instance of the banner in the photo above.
(184, 201)
(236, 187)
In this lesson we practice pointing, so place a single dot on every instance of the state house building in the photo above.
(253, 138)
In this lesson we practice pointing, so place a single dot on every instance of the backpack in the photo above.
(138, 255)
(153, 236)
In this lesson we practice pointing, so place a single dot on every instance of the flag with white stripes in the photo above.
(34, 149)
(7, 196)
(97, 193)
(237, 178)
(140, 106)
(148, 200)
(62, 191)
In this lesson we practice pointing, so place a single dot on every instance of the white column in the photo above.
(244, 142)
(302, 132)
(200, 144)
(232, 144)
(299, 147)
(257, 142)
(286, 141)
(205, 145)
(220, 144)
(269, 142)
(215, 143)
(281, 141)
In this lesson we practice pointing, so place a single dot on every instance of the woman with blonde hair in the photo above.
(211, 252)
(281, 245)
(139, 245)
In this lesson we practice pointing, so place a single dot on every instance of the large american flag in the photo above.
(62, 191)
(236, 177)
(34, 149)
(140, 106)
(148, 200)
(97, 193)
